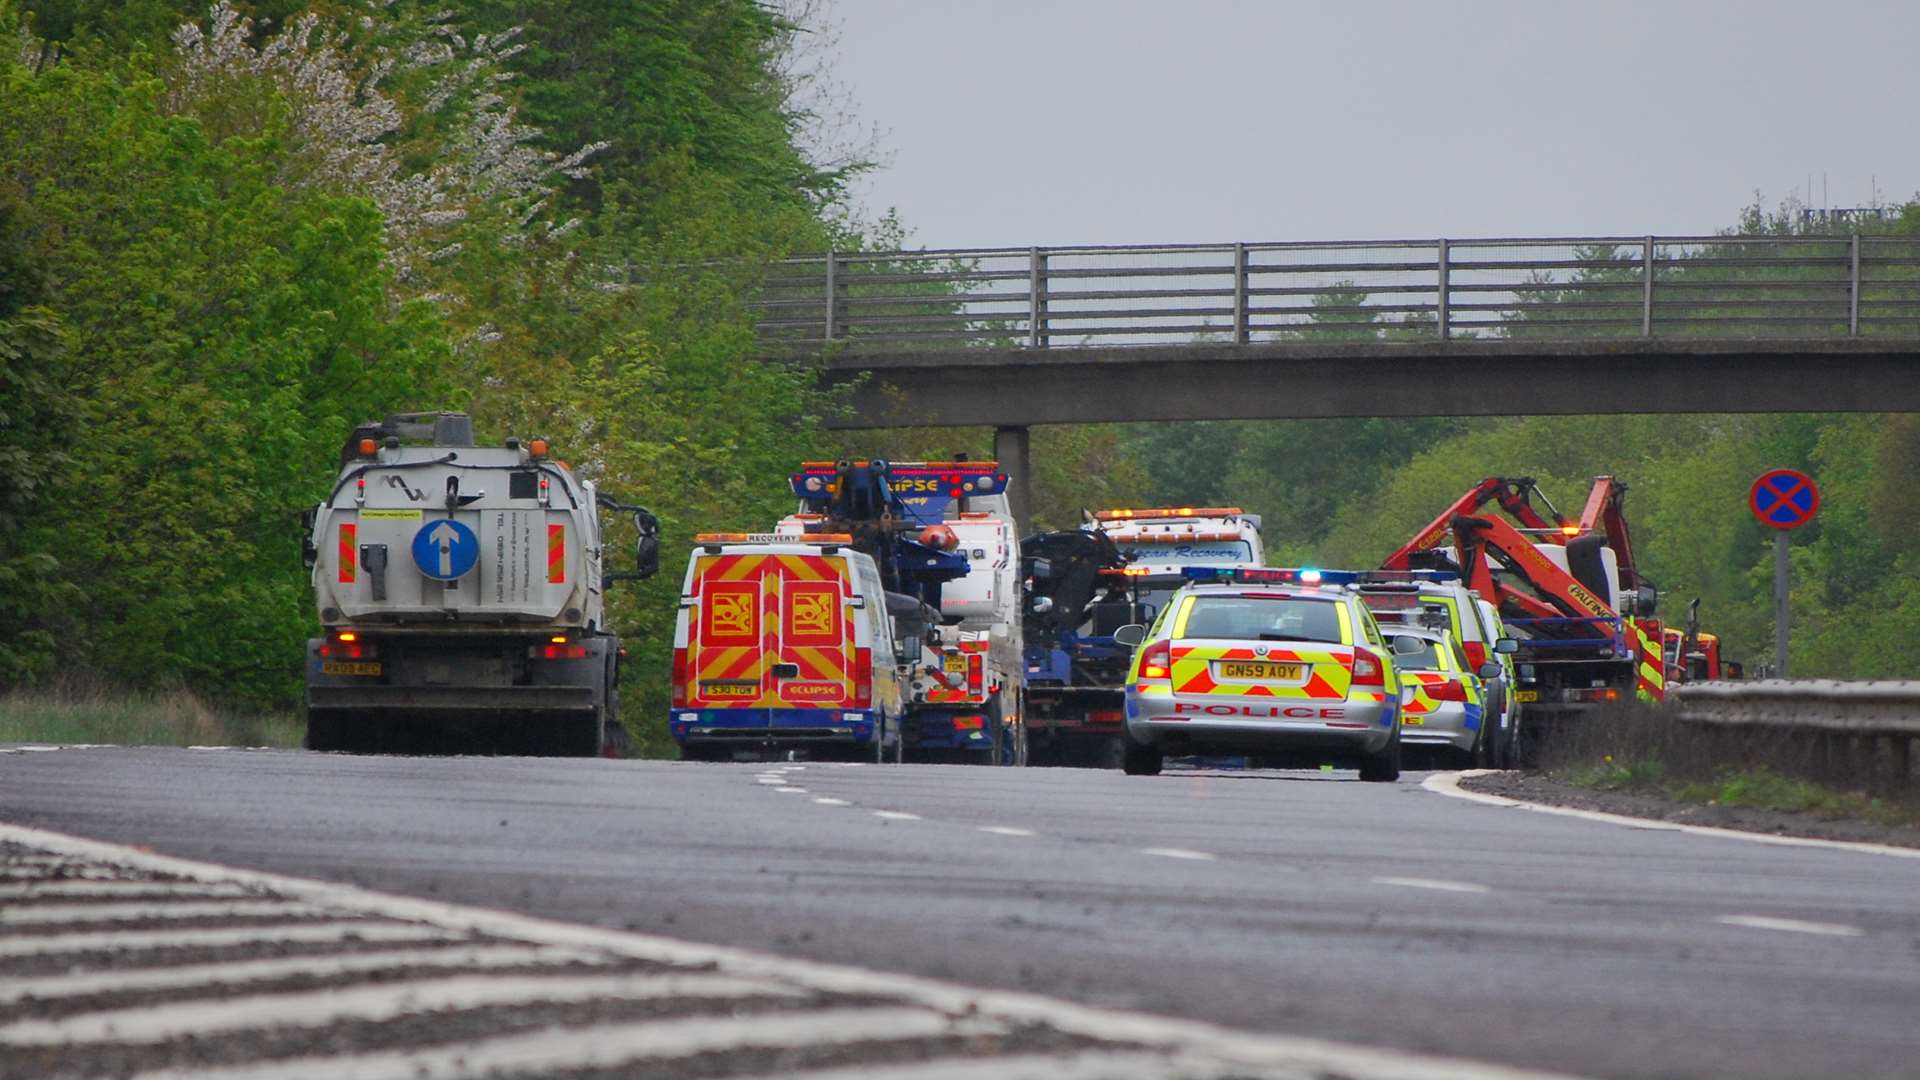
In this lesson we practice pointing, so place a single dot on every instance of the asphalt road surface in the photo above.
(1287, 902)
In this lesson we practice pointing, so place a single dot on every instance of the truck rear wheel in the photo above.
(330, 730)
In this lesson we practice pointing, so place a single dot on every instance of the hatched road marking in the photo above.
(202, 1019)
(54, 914)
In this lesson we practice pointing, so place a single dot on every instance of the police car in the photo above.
(1285, 665)
(1445, 705)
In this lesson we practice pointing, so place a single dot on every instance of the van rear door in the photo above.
(771, 631)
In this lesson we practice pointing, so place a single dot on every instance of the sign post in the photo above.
(1784, 500)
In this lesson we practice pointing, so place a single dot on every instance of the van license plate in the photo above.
(729, 688)
(1526, 695)
(1256, 669)
(348, 667)
(955, 664)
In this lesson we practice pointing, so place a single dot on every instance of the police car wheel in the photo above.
(1383, 767)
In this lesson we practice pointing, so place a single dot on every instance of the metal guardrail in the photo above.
(1853, 730)
(1856, 285)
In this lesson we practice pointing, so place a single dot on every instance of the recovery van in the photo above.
(782, 643)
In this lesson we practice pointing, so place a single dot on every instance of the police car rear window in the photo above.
(1425, 659)
(1263, 618)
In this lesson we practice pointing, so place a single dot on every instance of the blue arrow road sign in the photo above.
(1784, 498)
(445, 550)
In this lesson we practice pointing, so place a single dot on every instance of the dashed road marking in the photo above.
(824, 801)
(210, 976)
(1179, 853)
(897, 815)
(1005, 830)
(1435, 884)
(1794, 926)
(373, 1003)
(327, 933)
(791, 790)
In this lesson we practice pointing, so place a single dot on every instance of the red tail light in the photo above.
(969, 723)
(1476, 653)
(562, 652)
(1368, 670)
(1451, 690)
(679, 694)
(348, 645)
(1156, 663)
(973, 672)
(863, 678)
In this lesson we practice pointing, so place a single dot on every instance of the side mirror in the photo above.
(858, 603)
(1130, 635)
(1645, 600)
(1407, 645)
(1491, 670)
(1506, 645)
(1042, 605)
(309, 551)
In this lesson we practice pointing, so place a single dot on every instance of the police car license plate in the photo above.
(955, 664)
(1526, 695)
(1255, 669)
(348, 667)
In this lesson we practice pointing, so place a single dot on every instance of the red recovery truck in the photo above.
(1569, 590)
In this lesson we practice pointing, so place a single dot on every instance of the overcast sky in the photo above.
(1015, 122)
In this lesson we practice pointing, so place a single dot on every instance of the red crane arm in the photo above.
(1474, 537)
(1514, 496)
(1607, 510)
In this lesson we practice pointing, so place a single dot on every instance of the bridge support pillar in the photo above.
(1012, 449)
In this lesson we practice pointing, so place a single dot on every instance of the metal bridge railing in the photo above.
(1553, 288)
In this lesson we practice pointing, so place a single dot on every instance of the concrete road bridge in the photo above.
(1014, 337)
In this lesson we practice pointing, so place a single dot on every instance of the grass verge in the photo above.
(170, 718)
(1644, 750)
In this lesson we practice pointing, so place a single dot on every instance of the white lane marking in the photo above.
(1179, 853)
(1005, 830)
(375, 1002)
(896, 815)
(55, 872)
(213, 748)
(81, 887)
(769, 779)
(34, 749)
(215, 976)
(1247, 1050)
(1087, 1065)
(1795, 926)
(1435, 884)
(791, 790)
(50, 914)
(604, 1047)
(832, 802)
(327, 933)
(1449, 784)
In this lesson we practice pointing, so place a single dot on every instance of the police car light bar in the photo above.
(1267, 575)
(1167, 512)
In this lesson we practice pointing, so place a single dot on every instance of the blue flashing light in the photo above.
(1268, 575)
(1411, 576)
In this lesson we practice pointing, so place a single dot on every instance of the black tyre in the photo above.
(1383, 767)
(705, 752)
(580, 736)
(1137, 759)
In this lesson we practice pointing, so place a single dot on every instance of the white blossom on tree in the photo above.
(347, 128)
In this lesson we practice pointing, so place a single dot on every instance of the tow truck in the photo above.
(1569, 590)
(1084, 584)
(942, 533)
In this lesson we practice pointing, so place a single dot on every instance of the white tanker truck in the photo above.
(461, 595)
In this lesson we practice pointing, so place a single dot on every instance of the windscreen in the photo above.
(1263, 618)
(1425, 658)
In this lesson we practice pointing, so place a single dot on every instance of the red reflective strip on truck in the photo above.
(556, 554)
(349, 552)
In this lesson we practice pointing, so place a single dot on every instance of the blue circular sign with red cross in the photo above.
(1784, 498)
